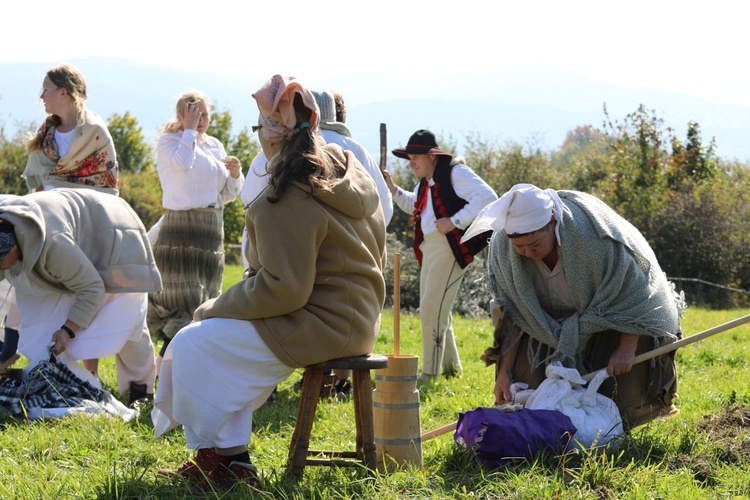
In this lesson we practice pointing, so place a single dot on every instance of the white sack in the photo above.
(595, 416)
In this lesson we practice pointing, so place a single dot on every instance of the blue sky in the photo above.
(401, 49)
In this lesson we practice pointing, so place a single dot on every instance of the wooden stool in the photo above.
(365, 453)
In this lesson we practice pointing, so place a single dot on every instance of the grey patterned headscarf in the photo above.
(7, 238)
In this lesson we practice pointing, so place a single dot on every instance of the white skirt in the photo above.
(214, 374)
(120, 319)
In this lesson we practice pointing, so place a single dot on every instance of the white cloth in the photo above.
(118, 328)
(523, 209)
(191, 172)
(594, 415)
(215, 373)
(5, 300)
(108, 406)
(467, 185)
(63, 140)
(256, 180)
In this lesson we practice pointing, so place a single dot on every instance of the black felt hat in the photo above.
(421, 142)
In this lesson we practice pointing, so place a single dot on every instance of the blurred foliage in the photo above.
(13, 160)
(142, 191)
(133, 152)
(690, 204)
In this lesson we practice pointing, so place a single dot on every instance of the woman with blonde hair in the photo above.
(197, 180)
(313, 291)
(73, 147)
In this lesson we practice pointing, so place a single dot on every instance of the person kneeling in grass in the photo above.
(581, 285)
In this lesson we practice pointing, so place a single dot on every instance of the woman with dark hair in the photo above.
(313, 291)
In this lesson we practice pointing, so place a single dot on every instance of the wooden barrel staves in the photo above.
(396, 419)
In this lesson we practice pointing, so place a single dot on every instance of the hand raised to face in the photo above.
(192, 115)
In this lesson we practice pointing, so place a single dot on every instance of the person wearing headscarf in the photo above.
(579, 284)
(81, 266)
(443, 204)
(313, 291)
(334, 131)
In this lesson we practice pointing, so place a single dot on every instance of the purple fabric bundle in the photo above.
(497, 437)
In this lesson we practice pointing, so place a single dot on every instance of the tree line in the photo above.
(690, 204)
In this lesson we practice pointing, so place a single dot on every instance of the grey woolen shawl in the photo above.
(612, 273)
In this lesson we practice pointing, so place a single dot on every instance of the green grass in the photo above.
(704, 452)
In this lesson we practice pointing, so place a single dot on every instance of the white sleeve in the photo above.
(405, 200)
(176, 151)
(256, 179)
(386, 200)
(474, 190)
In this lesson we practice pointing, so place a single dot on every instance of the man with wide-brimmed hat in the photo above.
(443, 204)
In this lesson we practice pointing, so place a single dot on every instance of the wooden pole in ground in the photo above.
(397, 304)
(383, 148)
(638, 359)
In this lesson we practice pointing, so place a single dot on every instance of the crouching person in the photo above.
(81, 266)
(581, 285)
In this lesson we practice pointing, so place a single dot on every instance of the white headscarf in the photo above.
(524, 209)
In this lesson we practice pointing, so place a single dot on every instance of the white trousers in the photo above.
(119, 329)
(439, 282)
(215, 373)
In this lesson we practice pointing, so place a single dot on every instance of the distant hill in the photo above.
(529, 104)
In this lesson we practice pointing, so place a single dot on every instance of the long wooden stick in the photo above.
(638, 359)
(680, 343)
(439, 431)
(396, 304)
(383, 148)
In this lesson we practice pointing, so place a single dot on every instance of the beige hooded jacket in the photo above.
(314, 289)
(79, 241)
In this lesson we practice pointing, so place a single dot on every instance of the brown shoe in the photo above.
(205, 463)
(223, 478)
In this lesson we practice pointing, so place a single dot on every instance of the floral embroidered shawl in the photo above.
(91, 161)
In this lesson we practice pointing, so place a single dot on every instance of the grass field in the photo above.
(704, 452)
